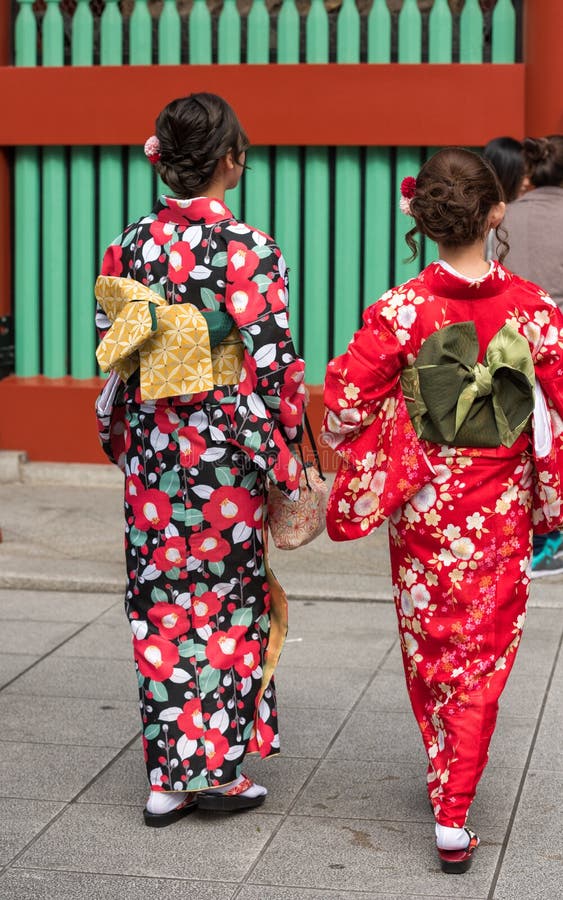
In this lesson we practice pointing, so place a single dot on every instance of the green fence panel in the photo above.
(440, 33)
(471, 33)
(110, 174)
(379, 33)
(503, 48)
(408, 159)
(257, 196)
(287, 191)
(27, 212)
(82, 219)
(229, 52)
(316, 234)
(200, 34)
(347, 202)
(54, 241)
(170, 34)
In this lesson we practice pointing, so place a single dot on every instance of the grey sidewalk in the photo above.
(346, 815)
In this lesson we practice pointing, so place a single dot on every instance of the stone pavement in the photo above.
(346, 817)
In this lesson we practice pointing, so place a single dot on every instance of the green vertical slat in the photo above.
(316, 310)
(200, 46)
(377, 193)
(26, 218)
(408, 159)
(429, 249)
(170, 35)
(471, 33)
(440, 33)
(111, 213)
(229, 52)
(139, 174)
(257, 179)
(288, 176)
(347, 212)
(82, 206)
(504, 32)
(54, 278)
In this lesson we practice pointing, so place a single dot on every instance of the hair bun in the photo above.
(537, 150)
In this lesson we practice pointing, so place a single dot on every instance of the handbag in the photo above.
(294, 523)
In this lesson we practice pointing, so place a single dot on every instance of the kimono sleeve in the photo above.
(358, 380)
(256, 296)
(547, 354)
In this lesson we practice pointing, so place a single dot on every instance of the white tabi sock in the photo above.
(256, 790)
(160, 802)
(451, 838)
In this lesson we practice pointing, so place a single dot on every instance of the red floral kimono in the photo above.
(461, 546)
(200, 598)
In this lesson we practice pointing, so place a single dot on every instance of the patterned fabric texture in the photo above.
(461, 546)
(207, 616)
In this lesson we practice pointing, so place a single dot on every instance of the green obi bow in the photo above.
(453, 399)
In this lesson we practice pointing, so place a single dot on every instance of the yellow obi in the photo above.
(170, 344)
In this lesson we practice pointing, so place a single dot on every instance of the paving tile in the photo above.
(321, 616)
(533, 864)
(20, 822)
(511, 741)
(361, 650)
(370, 857)
(375, 735)
(101, 640)
(60, 676)
(12, 664)
(54, 606)
(57, 772)
(523, 696)
(331, 687)
(125, 781)
(36, 638)
(306, 733)
(263, 892)
(42, 885)
(107, 839)
(90, 723)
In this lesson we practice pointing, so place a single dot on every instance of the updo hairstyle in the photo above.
(544, 161)
(455, 190)
(195, 132)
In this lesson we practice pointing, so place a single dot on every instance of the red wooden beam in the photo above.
(543, 30)
(383, 105)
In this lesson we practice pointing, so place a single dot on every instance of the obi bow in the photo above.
(178, 348)
(453, 399)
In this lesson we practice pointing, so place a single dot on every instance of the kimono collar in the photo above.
(198, 210)
(447, 284)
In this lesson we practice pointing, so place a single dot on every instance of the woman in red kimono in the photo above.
(200, 597)
(469, 343)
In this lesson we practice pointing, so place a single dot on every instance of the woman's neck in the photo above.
(469, 261)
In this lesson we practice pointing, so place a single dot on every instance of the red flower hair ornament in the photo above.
(152, 149)
(408, 190)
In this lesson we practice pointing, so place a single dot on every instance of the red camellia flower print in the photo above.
(229, 505)
(209, 545)
(161, 231)
(223, 647)
(248, 379)
(166, 419)
(190, 719)
(245, 302)
(216, 746)
(242, 263)
(264, 737)
(292, 394)
(277, 295)
(203, 607)
(133, 487)
(248, 658)
(171, 555)
(111, 263)
(156, 657)
(152, 509)
(181, 261)
(170, 619)
(192, 445)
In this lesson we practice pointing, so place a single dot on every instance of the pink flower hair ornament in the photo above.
(152, 149)
(408, 190)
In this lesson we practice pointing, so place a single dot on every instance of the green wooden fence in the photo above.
(333, 210)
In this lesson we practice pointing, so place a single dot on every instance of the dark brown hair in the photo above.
(506, 156)
(195, 132)
(544, 160)
(455, 190)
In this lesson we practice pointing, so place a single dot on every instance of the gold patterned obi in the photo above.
(453, 399)
(178, 348)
